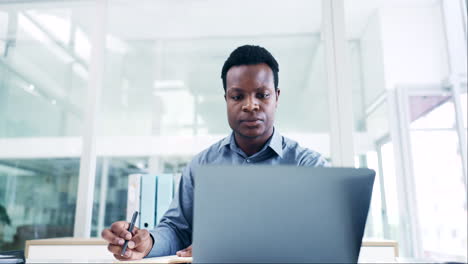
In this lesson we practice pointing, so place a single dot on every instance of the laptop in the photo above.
(279, 214)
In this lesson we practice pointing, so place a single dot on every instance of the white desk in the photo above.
(94, 250)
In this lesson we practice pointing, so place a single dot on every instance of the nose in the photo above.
(250, 105)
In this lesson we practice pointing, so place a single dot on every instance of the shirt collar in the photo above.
(226, 141)
(275, 143)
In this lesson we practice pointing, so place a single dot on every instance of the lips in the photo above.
(251, 122)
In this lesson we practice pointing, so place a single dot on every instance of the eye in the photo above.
(263, 95)
(236, 97)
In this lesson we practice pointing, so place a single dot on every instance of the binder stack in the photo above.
(151, 195)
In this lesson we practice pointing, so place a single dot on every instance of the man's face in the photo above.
(251, 100)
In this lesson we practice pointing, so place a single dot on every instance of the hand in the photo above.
(185, 252)
(139, 246)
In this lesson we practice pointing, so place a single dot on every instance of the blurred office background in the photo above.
(97, 90)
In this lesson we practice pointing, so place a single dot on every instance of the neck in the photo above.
(253, 145)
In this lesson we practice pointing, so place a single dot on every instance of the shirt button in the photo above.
(247, 160)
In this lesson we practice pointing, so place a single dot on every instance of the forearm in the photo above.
(166, 242)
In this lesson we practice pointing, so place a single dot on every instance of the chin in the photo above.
(251, 132)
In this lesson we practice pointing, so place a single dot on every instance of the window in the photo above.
(43, 82)
(438, 174)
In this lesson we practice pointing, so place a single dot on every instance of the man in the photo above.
(250, 81)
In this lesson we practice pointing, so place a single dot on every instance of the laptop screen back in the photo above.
(280, 214)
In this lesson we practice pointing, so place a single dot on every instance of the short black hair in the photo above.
(250, 55)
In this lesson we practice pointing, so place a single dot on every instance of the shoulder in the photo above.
(303, 156)
(206, 156)
(209, 154)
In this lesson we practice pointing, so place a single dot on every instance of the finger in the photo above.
(120, 229)
(184, 253)
(187, 252)
(117, 256)
(141, 238)
(111, 237)
(119, 225)
(135, 230)
(128, 253)
(117, 250)
(180, 252)
(114, 249)
(108, 236)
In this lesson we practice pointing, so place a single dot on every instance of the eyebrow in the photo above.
(236, 89)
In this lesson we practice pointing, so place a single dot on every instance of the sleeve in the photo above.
(174, 231)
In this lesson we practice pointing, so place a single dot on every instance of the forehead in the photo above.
(248, 75)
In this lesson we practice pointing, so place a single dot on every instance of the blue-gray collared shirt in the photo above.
(174, 232)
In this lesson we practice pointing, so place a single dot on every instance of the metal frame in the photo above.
(456, 88)
(86, 180)
(409, 180)
(339, 92)
(402, 173)
(455, 22)
(408, 223)
(103, 194)
(407, 190)
(383, 196)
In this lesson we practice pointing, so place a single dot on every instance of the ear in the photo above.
(278, 92)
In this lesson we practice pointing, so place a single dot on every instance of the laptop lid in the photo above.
(279, 214)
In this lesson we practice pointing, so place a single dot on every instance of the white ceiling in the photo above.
(149, 19)
(209, 18)
(188, 19)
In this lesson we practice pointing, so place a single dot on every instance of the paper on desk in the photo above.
(11, 260)
(8, 258)
(166, 259)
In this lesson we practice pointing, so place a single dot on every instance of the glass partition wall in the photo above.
(406, 82)
(43, 81)
(161, 102)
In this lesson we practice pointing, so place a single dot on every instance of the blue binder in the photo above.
(155, 196)
(148, 192)
(165, 188)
